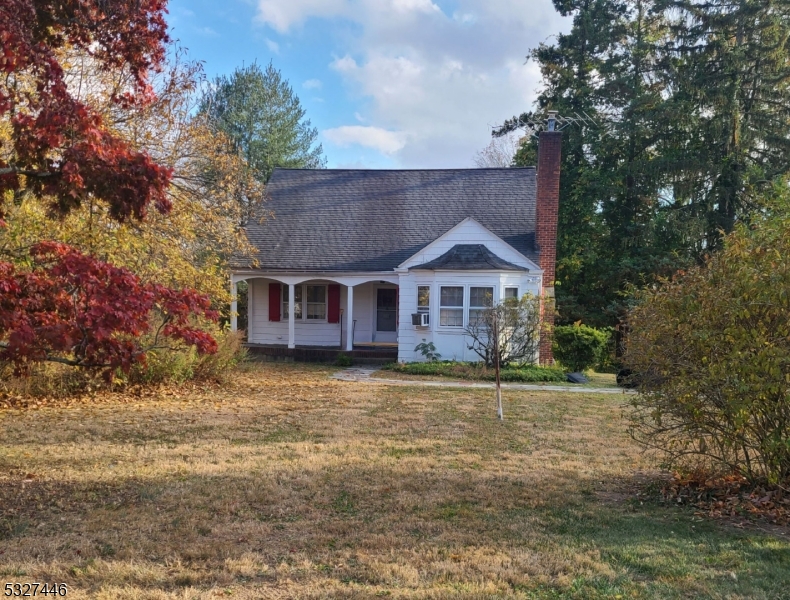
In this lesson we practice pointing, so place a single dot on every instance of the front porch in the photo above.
(315, 318)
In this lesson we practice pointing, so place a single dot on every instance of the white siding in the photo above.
(451, 343)
(263, 331)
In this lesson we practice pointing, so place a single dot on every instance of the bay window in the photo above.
(423, 298)
(451, 306)
(480, 298)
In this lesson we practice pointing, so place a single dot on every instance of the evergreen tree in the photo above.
(729, 65)
(693, 112)
(259, 111)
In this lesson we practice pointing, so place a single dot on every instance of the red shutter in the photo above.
(333, 308)
(274, 301)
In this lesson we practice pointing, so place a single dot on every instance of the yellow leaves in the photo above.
(191, 246)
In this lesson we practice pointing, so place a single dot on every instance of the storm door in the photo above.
(386, 315)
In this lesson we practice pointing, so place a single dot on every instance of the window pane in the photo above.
(481, 296)
(476, 316)
(452, 296)
(316, 302)
(298, 292)
(316, 311)
(423, 298)
(316, 293)
(451, 317)
(511, 292)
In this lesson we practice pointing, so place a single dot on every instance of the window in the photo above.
(451, 313)
(298, 303)
(423, 298)
(511, 292)
(316, 302)
(480, 298)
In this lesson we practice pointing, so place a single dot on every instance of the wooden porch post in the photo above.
(292, 315)
(350, 320)
(234, 307)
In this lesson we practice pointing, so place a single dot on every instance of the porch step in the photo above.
(322, 354)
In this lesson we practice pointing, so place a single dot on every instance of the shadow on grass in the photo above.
(393, 526)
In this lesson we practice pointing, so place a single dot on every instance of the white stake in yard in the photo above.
(500, 413)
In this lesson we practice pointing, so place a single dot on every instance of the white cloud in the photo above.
(312, 84)
(441, 81)
(272, 46)
(282, 16)
(386, 142)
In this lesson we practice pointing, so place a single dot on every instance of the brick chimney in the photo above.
(547, 207)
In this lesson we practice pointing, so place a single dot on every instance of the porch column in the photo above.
(234, 307)
(350, 320)
(291, 316)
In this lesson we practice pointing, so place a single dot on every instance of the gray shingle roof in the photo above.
(373, 220)
(469, 257)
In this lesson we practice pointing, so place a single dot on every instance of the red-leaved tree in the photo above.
(66, 306)
(77, 310)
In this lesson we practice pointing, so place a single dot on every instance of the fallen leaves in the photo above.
(729, 496)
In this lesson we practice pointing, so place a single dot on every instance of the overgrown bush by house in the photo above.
(53, 380)
(711, 353)
(176, 366)
(579, 347)
(478, 371)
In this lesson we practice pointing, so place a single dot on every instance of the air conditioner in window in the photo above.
(420, 319)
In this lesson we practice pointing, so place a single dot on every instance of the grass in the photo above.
(444, 370)
(479, 372)
(290, 485)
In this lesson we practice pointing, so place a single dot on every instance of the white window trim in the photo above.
(467, 300)
(464, 304)
(303, 318)
(510, 287)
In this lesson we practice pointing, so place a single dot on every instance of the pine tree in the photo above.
(259, 111)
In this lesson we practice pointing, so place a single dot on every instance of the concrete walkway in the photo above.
(363, 375)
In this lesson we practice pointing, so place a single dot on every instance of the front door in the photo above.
(386, 315)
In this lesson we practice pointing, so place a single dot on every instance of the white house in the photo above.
(348, 257)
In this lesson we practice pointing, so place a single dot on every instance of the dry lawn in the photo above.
(291, 485)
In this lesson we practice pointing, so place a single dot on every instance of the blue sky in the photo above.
(388, 83)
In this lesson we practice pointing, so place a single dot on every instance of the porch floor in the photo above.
(362, 354)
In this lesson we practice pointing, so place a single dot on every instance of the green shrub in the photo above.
(478, 371)
(344, 360)
(579, 347)
(428, 350)
(710, 351)
(177, 366)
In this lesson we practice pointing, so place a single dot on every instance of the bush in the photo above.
(518, 323)
(177, 366)
(344, 360)
(479, 372)
(579, 347)
(710, 351)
